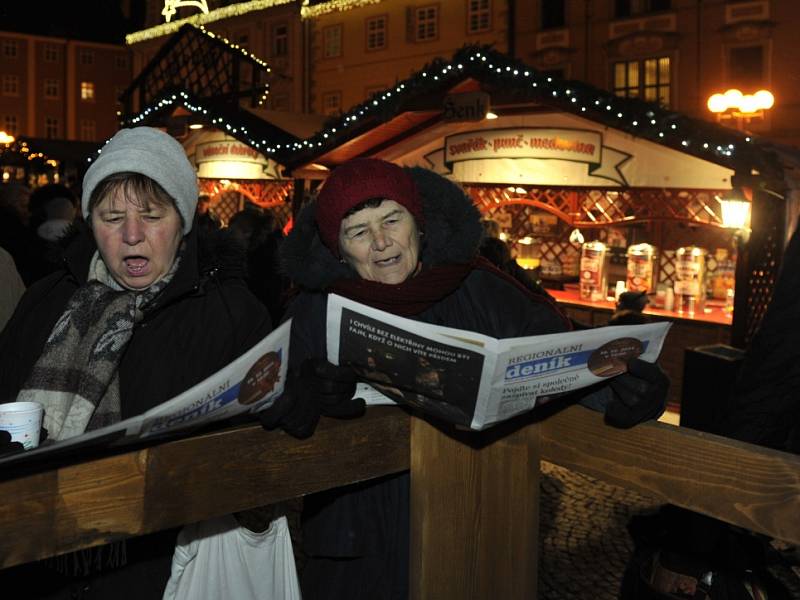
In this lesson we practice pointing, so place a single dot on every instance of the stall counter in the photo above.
(702, 329)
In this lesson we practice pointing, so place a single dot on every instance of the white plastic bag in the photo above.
(219, 559)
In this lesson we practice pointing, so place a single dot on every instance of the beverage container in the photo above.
(594, 268)
(23, 420)
(641, 268)
(690, 289)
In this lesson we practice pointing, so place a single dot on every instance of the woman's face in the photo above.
(137, 240)
(381, 243)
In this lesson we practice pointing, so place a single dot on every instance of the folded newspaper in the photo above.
(471, 379)
(248, 384)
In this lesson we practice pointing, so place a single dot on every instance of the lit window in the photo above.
(332, 103)
(51, 128)
(88, 130)
(332, 41)
(51, 53)
(10, 85)
(87, 91)
(479, 16)
(426, 23)
(280, 40)
(52, 89)
(376, 33)
(648, 79)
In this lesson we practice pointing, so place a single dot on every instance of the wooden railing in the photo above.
(474, 496)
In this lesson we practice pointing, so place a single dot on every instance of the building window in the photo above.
(280, 40)
(10, 48)
(648, 79)
(51, 128)
(88, 130)
(426, 23)
(118, 92)
(479, 15)
(86, 57)
(746, 68)
(553, 14)
(243, 40)
(51, 53)
(332, 41)
(121, 61)
(10, 85)
(332, 103)
(52, 89)
(629, 8)
(11, 125)
(87, 91)
(376, 33)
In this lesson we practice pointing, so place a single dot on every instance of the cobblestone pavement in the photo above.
(584, 543)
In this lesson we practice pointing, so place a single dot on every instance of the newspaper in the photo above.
(473, 380)
(250, 383)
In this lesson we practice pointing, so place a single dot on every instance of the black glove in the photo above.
(320, 388)
(638, 395)
(7, 447)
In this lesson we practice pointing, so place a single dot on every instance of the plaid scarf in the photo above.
(76, 377)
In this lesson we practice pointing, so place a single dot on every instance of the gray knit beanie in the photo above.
(153, 153)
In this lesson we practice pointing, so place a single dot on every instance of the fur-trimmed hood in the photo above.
(452, 231)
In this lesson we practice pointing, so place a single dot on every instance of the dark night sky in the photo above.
(95, 20)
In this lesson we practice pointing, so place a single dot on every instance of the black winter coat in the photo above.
(205, 318)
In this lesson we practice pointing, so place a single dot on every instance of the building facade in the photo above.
(61, 89)
(328, 56)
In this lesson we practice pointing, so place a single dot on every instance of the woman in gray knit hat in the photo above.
(144, 308)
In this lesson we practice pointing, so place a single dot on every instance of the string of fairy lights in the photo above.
(642, 119)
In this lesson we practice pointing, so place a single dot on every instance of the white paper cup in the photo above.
(23, 420)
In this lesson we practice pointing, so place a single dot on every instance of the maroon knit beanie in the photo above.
(357, 181)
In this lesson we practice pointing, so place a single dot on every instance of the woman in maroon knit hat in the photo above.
(404, 240)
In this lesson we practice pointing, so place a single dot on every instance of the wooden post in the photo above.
(474, 512)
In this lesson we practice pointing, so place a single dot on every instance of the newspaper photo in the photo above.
(473, 380)
(250, 383)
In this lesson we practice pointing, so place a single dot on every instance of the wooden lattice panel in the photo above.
(226, 200)
(584, 207)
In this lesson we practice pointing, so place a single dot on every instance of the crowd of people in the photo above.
(126, 297)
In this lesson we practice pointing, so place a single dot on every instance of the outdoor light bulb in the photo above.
(490, 115)
(733, 97)
(717, 103)
(764, 99)
(576, 237)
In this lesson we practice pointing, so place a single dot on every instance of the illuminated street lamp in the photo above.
(743, 107)
(6, 138)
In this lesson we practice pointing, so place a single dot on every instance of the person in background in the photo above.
(15, 236)
(257, 231)
(11, 290)
(404, 240)
(52, 209)
(145, 307)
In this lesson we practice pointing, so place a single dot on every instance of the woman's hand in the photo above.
(638, 395)
(320, 388)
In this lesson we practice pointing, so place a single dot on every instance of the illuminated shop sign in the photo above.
(570, 145)
(231, 159)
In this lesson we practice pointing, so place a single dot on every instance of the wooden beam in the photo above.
(749, 486)
(179, 482)
(474, 512)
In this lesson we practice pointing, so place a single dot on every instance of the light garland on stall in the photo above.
(226, 12)
(183, 99)
(637, 117)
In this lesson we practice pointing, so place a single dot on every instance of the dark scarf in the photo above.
(428, 287)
